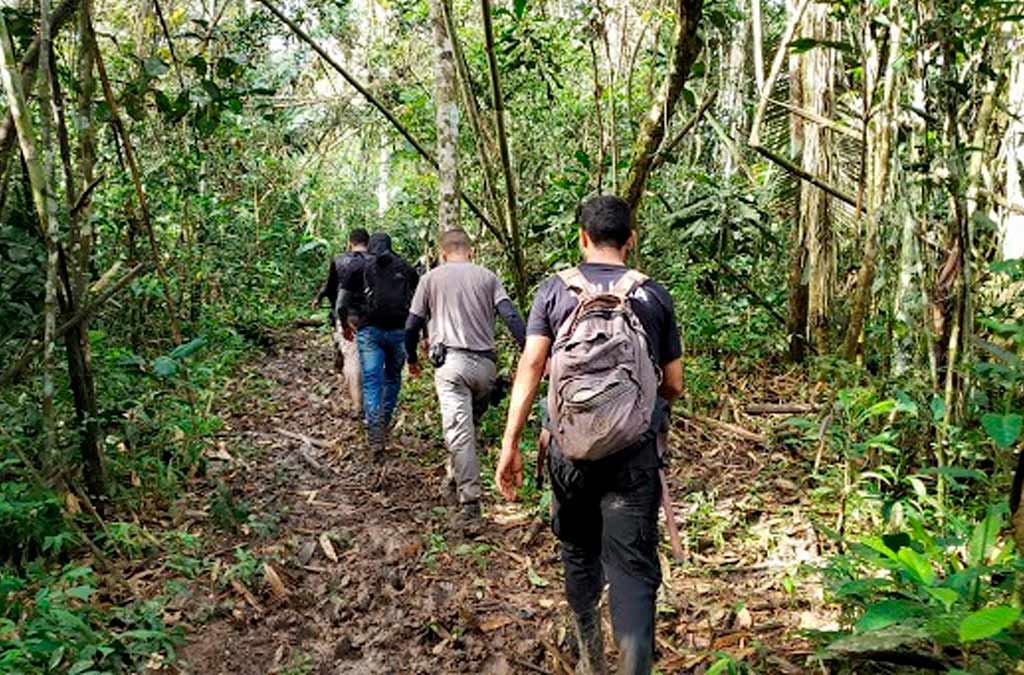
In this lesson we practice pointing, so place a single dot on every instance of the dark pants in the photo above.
(607, 521)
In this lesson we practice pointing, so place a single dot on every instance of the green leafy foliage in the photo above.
(906, 591)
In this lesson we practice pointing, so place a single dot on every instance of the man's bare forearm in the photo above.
(524, 390)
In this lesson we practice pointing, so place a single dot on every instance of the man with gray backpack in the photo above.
(608, 336)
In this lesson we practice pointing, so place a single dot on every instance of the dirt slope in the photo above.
(336, 566)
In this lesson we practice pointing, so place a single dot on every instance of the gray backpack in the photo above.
(604, 382)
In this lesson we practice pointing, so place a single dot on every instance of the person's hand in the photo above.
(415, 369)
(509, 475)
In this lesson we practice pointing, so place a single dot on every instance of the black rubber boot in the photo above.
(590, 636)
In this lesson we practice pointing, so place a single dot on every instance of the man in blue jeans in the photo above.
(382, 288)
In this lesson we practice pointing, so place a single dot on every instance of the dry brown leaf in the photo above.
(744, 620)
(328, 547)
(495, 622)
(276, 585)
(244, 592)
(71, 504)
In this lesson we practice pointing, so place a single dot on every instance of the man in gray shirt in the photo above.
(458, 302)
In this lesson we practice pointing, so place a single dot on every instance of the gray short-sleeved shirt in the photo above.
(459, 301)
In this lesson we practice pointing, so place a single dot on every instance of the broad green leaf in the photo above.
(154, 67)
(229, 65)
(80, 667)
(888, 612)
(877, 544)
(881, 408)
(534, 578)
(938, 407)
(188, 349)
(891, 637)
(918, 566)
(947, 596)
(165, 366)
(986, 623)
(1002, 429)
(56, 657)
(905, 404)
(519, 8)
(720, 666)
(198, 63)
(955, 472)
(311, 245)
(897, 540)
(82, 593)
(984, 537)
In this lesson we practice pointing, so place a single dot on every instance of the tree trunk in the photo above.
(511, 212)
(140, 192)
(43, 200)
(482, 135)
(796, 316)
(50, 225)
(756, 30)
(732, 101)
(86, 152)
(1012, 225)
(76, 339)
(817, 71)
(686, 45)
(447, 117)
(27, 71)
(879, 131)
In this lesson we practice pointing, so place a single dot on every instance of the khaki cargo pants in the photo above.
(351, 370)
(464, 378)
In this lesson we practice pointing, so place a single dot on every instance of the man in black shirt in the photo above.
(380, 289)
(605, 511)
(346, 354)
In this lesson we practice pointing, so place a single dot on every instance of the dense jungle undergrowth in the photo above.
(831, 192)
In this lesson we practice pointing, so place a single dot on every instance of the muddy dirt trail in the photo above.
(319, 562)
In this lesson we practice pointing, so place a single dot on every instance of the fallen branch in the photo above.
(733, 429)
(529, 666)
(559, 658)
(303, 438)
(780, 408)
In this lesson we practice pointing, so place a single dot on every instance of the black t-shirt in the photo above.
(554, 303)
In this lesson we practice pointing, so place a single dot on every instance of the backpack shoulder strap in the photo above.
(629, 282)
(577, 283)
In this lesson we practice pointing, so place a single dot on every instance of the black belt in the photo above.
(486, 353)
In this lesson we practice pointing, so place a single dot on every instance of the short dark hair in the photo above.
(455, 240)
(606, 220)
(359, 237)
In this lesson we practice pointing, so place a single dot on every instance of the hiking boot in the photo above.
(449, 493)
(590, 637)
(470, 513)
(375, 442)
(468, 521)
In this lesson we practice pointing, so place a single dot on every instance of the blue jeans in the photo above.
(382, 355)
